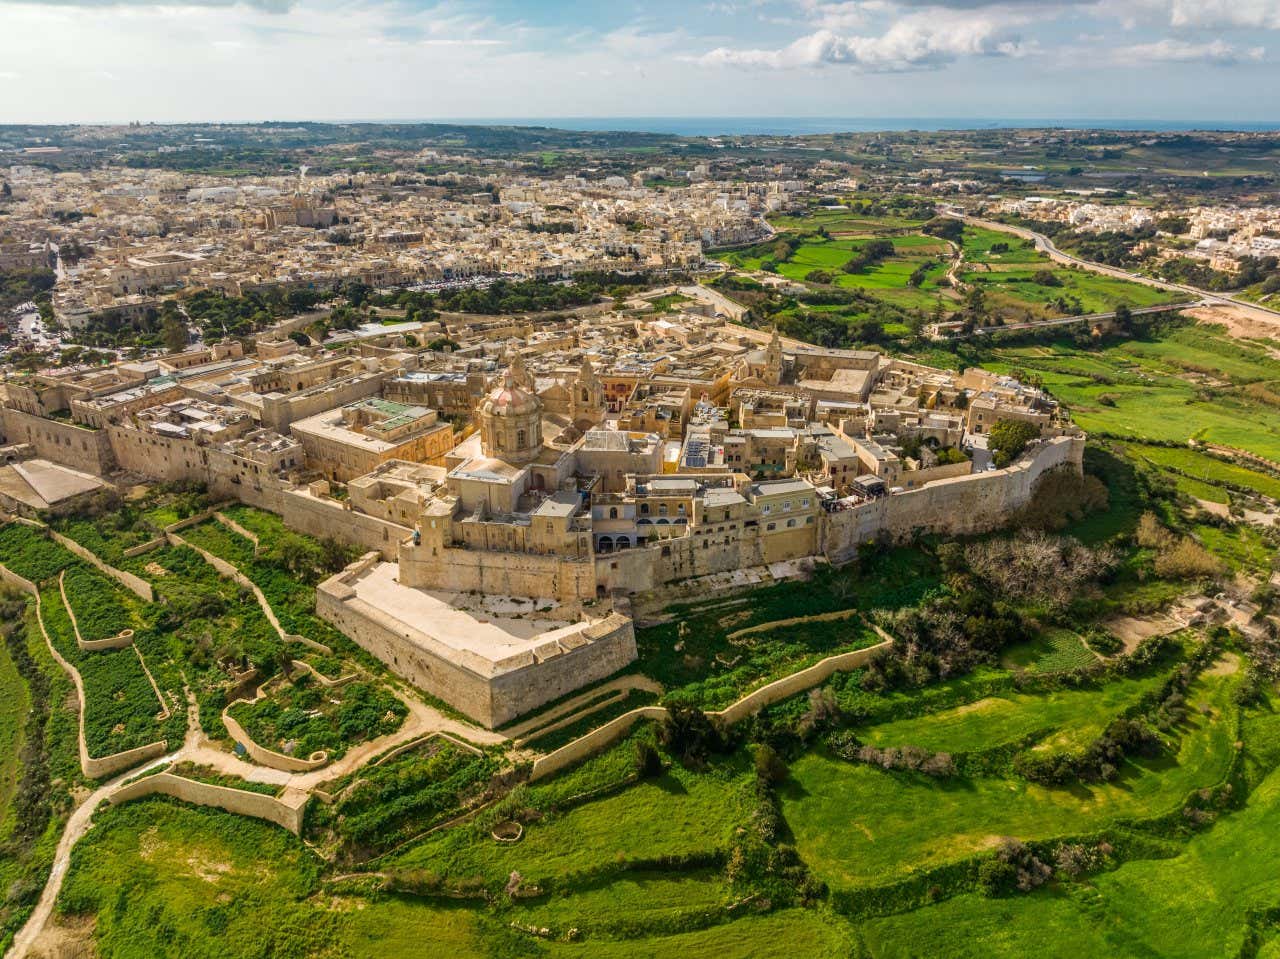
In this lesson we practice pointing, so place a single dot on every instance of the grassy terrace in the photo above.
(121, 707)
(300, 717)
(859, 826)
(713, 666)
(677, 815)
(289, 593)
(995, 720)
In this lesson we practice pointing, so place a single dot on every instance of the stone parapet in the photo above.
(286, 811)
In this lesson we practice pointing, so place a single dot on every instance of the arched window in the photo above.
(613, 512)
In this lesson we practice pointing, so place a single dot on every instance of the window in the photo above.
(644, 509)
(613, 512)
(662, 509)
(804, 504)
(771, 527)
(519, 438)
(791, 523)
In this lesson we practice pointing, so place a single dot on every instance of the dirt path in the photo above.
(79, 823)
(198, 748)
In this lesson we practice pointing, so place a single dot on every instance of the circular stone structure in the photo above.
(509, 831)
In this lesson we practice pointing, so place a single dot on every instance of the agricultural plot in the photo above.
(1207, 470)
(995, 720)
(680, 815)
(121, 707)
(287, 591)
(1090, 292)
(31, 554)
(1128, 387)
(100, 607)
(300, 717)
(890, 278)
(386, 804)
(1054, 650)
(1196, 905)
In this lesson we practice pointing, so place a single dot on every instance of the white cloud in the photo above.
(1263, 14)
(1181, 51)
(917, 41)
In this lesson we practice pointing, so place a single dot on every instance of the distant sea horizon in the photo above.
(795, 126)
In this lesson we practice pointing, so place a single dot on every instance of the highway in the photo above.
(1045, 245)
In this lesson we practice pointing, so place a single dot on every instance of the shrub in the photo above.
(1014, 868)
(690, 735)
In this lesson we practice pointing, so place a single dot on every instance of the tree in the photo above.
(174, 332)
(690, 735)
(769, 765)
(944, 227)
(1008, 438)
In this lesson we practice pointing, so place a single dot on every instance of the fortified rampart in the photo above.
(60, 441)
(566, 579)
(492, 692)
(966, 504)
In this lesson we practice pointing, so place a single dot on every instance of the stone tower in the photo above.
(773, 360)
(587, 404)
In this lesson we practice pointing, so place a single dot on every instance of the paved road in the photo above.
(1045, 245)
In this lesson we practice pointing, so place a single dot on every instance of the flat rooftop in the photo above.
(489, 635)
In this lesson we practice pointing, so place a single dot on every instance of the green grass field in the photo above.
(677, 814)
(995, 720)
(1160, 389)
(859, 826)
(1054, 650)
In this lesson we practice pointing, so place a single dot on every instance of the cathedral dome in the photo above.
(511, 422)
(510, 400)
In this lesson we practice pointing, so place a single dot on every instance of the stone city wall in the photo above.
(967, 504)
(287, 814)
(499, 573)
(319, 517)
(611, 647)
(60, 441)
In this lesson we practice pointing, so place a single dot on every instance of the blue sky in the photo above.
(115, 60)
